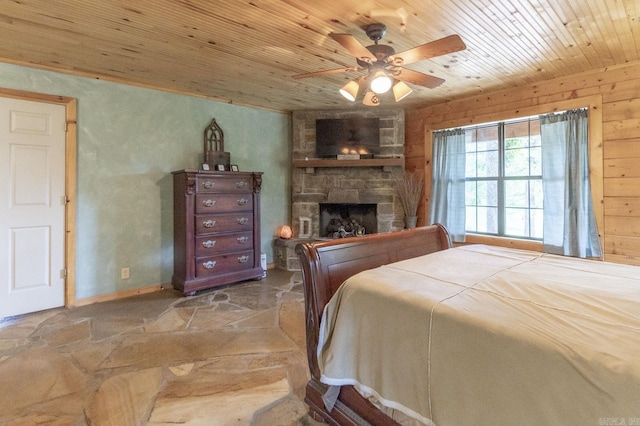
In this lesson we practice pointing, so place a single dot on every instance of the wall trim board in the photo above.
(128, 82)
(122, 294)
(135, 292)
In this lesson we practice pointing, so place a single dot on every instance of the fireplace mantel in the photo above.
(372, 162)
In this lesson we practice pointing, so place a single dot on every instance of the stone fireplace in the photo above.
(357, 184)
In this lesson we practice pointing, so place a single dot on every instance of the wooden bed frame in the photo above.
(325, 266)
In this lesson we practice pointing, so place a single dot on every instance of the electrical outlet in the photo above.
(124, 273)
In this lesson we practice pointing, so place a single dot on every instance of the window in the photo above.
(503, 179)
(489, 179)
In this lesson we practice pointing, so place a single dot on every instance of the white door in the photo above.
(32, 206)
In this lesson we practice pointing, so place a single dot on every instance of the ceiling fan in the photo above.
(384, 66)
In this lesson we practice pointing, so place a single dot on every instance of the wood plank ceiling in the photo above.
(246, 51)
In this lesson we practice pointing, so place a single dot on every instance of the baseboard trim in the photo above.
(129, 293)
(121, 294)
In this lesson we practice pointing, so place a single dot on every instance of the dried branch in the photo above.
(409, 186)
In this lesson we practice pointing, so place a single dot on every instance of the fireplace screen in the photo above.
(347, 220)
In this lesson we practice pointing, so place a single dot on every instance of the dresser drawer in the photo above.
(210, 245)
(222, 203)
(213, 265)
(231, 222)
(226, 184)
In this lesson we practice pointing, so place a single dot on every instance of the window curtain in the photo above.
(447, 203)
(569, 222)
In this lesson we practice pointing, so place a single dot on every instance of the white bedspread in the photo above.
(480, 335)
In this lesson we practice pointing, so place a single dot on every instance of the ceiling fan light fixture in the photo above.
(384, 66)
(350, 90)
(401, 91)
(371, 99)
(380, 82)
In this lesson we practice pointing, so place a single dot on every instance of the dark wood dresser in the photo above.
(216, 228)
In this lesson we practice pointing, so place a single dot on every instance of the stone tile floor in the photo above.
(228, 356)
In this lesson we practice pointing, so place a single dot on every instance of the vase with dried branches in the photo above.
(409, 186)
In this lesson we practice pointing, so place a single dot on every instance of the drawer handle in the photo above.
(243, 259)
(242, 240)
(208, 243)
(243, 220)
(208, 184)
(241, 184)
(209, 223)
(209, 203)
(209, 265)
(242, 202)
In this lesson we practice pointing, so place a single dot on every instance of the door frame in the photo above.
(70, 182)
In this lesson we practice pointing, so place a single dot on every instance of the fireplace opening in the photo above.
(339, 220)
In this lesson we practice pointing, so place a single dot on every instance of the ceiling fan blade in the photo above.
(327, 72)
(450, 44)
(356, 48)
(418, 78)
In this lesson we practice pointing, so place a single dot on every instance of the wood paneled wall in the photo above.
(615, 91)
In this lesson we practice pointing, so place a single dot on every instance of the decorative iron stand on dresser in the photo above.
(216, 228)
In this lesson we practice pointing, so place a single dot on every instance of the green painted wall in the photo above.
(129, 141)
